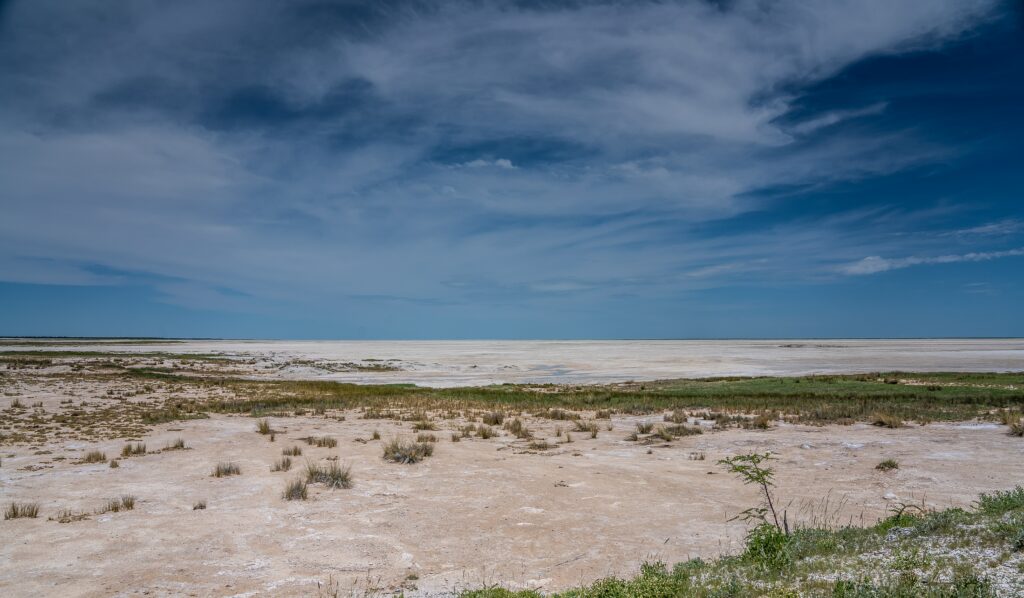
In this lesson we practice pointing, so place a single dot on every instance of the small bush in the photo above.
(226, 469)
(292, 452)
(769, 547)
(887, 465)
(494, 418)
(998, 503)
(263, 427)
(19, 510)
(282, 464)
(398, 451)
(296, 490)
(331, 475)
(94, 457)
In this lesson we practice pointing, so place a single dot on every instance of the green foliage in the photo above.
(998, 503)
(749, 469)
(768, 547)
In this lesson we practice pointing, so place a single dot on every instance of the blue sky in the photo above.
(500, 169)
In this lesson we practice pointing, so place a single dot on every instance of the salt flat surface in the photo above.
(465, 363)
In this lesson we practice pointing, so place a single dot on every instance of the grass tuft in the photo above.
(296, 490)
(398, 451)
(20, 510)
(887, 465)
(226, 469)
(331, 475)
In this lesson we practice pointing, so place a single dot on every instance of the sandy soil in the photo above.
(462, 363)
(477, 512)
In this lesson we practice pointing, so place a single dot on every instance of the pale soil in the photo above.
(473, 363)
(478, 512)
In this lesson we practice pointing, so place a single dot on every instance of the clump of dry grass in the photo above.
(376, 435)
(558, 414)
(518, 428)
(296, 490)
(199, 505)
(292, 452)
(131, 450)
(69, 516)
(591, 427)
(321, 441)
(456, 437)
(677, 417)
(226, 469)
(282, 464)
(644, 427)
(263, 427)
(886, 420)
(398, 451)
(761, 422)
(19, 510)
(887, 465)
(1017, 428)
(331, 475)
(485, 432)
(603, 414)
(539, 445)
(426, 438)
(493, 418)
(424, 425)
(177, 445)
(114, 464)
(116, 505)
(94, 457)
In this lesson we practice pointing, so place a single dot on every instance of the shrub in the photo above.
(998, 503)
(887, 465)
(226, 469)
(18, 510)
(769, 547)
(398, 451)
(296, 490)
(331, 475)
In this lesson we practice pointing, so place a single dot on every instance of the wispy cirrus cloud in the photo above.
(875, 264)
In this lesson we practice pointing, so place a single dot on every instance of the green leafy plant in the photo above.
(749, 468)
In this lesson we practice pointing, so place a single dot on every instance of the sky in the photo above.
(512, 169)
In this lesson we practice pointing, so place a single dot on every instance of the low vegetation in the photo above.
(403, 451)
(887, 465)
(226, 469)
(296, 490)
(19, 510)
(331, 475)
